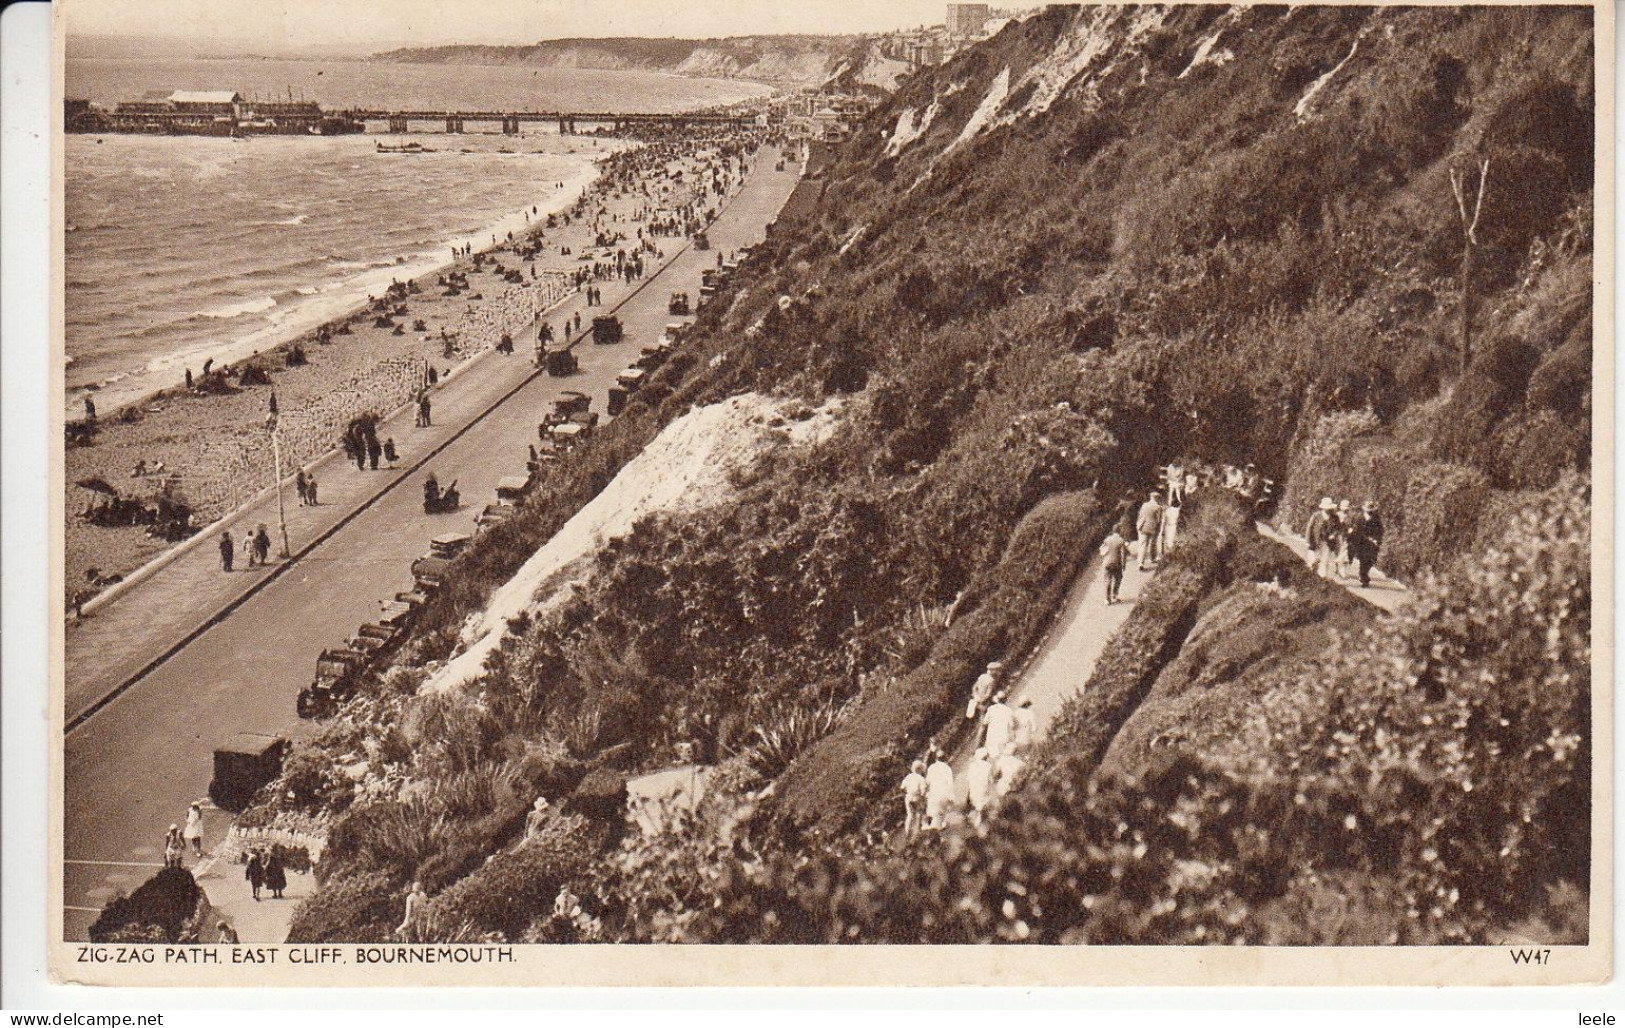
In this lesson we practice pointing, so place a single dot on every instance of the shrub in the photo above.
(1441, 509)
(352, 909)
(513, 887)
(601, 797)
(157, 911)
(786, 734)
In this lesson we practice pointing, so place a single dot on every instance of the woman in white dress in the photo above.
(194, 829)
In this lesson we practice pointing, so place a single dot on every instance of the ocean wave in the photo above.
(237, 310)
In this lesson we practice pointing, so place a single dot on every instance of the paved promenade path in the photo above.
(182, 661)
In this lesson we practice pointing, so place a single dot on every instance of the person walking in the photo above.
(194, 829)
(255, 873)
(914, 799)
(375, 449)
(228, 934)
(1148, 525)
(1170, 528)
(248, 546)
(311, 488)
(276, 875)
(998, 726)
(262, 546)
(227, 548)
(424, 409)
(390, 453)
(1175, 477)
(414, 907)
(301, 485)
(982, 689)
(174, 846)
(1365, 541)
(1026, 727)
(939, 793)
(1114, 552)
(1006, 773)
(1346, 516)
(1320, 535)
(979, 785)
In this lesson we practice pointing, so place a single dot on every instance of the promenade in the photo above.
(190, 656)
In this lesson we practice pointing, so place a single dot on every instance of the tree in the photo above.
(1469, 240)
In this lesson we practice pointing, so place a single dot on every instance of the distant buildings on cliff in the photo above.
(932, 45)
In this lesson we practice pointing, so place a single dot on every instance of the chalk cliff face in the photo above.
(786, 60)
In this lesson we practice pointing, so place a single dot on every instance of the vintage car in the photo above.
(243, 766)
(606, 328)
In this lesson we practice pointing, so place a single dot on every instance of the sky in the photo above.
(278, 25)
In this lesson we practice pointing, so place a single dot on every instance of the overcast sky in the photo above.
(369, 24)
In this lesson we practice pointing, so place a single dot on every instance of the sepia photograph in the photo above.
(543, 484)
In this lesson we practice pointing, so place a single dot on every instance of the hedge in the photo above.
(514, 886)
(830, 787)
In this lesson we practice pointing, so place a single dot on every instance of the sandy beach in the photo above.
(214, 447)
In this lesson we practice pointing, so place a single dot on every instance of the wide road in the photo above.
(132, 766)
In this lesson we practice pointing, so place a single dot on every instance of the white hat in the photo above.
(1327, 504)
(994, 665)
(1343, 505)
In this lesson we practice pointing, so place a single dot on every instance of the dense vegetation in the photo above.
(1025, 310)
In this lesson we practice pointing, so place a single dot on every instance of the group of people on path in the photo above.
(266, 872)
(1344, 542)
(930, 791)
(178, 840)
(256, 548)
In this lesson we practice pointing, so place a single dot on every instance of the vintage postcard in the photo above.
(558, 493)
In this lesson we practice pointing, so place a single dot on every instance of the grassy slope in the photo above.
(1161, 263)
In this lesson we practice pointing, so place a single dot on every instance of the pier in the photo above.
(227, 113)
(567, 122)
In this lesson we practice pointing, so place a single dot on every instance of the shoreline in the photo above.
(214, 444)
(279, 338)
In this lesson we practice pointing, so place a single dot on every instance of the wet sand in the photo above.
(217, 447)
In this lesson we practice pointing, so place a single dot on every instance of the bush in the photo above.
(350, 909)
(515, 886)
(159, 910)
(1439, 519)
(601, 797)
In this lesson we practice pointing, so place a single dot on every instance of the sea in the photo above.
(182, 248)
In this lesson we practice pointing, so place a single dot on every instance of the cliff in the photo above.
(1106, 239)
(782, 60)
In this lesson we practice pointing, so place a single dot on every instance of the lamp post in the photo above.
(273, 422)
